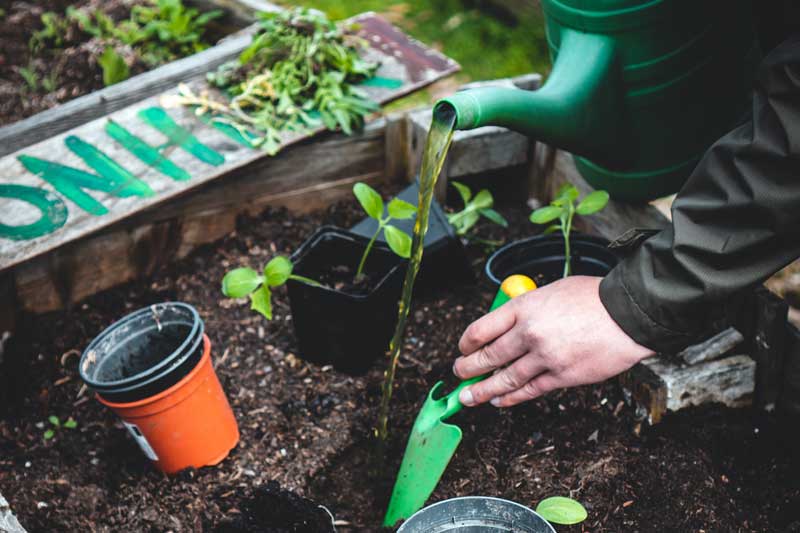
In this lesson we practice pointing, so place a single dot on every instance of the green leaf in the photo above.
(401, 209)
(70, 423)
(592, 203)
(49, 434)
(561, 510)
(546, 214)
(551, 229)
(465, 223)
(463, 190)
(114, 67)
(261, 301)
(278, 271)
(369, 199)
(399, 242)
(483, 200)
(567, 192)
(240, 282)
(495, 217)
(54, 420)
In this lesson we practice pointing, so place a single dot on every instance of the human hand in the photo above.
(557, 336)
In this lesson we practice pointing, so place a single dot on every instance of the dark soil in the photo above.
(343, 278)
(309, 428)
(61, 71)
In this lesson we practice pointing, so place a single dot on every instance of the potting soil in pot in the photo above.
(308, 427)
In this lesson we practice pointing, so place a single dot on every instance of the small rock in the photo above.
(594, 435)
(41, 505)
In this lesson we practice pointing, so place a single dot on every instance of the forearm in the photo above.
(735, 222)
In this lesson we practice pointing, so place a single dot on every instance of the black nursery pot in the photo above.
(144, 353)
(348, 331)
(542, 258)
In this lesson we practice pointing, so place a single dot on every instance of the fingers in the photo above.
(486, 329)
(538, 386)
(503, 382)
(488, 357)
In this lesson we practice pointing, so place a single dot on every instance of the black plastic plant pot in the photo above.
(444, 261)
(542, 258)
(348, 331)
(144, 353)
(473, 514)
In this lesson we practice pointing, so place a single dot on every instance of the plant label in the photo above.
(141, 440)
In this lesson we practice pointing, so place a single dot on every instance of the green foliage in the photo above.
(474, 208)
(564, 209)
(244, 281)
(56, 424)
(160, 32)
(372, 203)
(114, 67)
(298, 73)
(561, 510)
(31, 78)
(53, 32)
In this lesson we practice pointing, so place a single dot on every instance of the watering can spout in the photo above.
(579, 109)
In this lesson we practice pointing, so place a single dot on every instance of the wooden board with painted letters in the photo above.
(104, 171)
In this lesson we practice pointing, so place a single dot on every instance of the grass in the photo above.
(485, 43)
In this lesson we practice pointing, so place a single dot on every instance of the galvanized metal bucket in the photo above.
(476, 514)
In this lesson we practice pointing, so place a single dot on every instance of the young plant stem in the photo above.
(305, 280)
(566, 229)
(367, 250)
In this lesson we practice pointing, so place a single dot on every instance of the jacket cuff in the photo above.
(621, 302)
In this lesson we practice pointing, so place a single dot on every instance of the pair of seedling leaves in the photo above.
(56, 424)
(474, 207)
(564, 209)
(245, 281)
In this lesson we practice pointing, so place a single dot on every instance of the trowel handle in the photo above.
(511, 287)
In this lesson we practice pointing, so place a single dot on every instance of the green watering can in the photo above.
(432, 441)
(638, 92)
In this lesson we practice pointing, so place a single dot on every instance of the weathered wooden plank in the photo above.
(303, 178)
(713, 348)
(659, 385)
(400, 59)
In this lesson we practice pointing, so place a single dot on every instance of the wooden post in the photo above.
(769, 347)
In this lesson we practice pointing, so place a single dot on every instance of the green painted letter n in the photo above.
(111, 177)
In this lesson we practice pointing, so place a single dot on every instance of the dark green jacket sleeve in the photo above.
(734, 223)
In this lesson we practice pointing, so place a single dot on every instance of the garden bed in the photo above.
(44, 66)
(309, 428)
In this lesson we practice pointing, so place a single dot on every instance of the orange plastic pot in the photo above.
(190, 424)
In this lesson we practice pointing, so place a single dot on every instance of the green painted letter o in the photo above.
(53, 208)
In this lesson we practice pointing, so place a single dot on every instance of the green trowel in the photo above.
(433, 441)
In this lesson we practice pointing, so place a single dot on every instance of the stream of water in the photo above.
(440, 135)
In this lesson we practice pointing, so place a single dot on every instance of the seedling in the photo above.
(161, 32)
(54, 30)
(474, 208)
(29, 75)
(56, 424)
(114, 67)
(561, 510)
(372, 203)
(564, 209)
(244, 281)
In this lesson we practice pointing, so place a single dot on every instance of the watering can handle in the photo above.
(511, 287)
